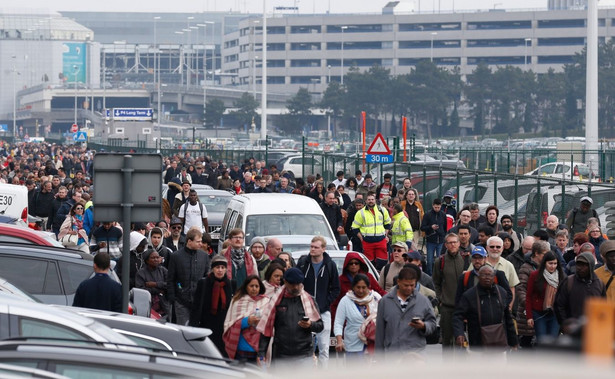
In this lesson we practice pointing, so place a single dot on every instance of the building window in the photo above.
(376, 28)
(275, 80)
(564, 41)
(305, 46)
(491, 25)
(387, 62)
(348, 62)
(276, 46)
(387, 44)
(305, 79)
(354, 45)
(556, 59)
(429, 27)
(574, 23)
(305, 29)
(503, 42)
(276, 63)
(427, 44)
(305, 63)
(496, 60)
(276, 30)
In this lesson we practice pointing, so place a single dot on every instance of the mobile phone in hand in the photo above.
(305, 319)
(415, 320)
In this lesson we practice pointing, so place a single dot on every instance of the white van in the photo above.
(269, 214)
(14, 201)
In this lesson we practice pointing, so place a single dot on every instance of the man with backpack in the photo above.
(193, 213)
(469, 278)
(578, 217)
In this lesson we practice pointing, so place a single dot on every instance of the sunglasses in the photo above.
(495, 247)
(399, 250)
(176, 227)
(79, 208)
(353, 263)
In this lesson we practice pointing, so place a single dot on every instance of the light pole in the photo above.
(264, 76)
(329, 128)
(527, 40)
(156, 67)
(14, 98)
(254, 58)
(204, 26)
(76, 70)
(342, 63)
(433, 34)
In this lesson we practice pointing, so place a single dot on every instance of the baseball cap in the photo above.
(401, 244)
(479, 250)
(414, 255)
(606, 247)
(588, 199)
(449, 193)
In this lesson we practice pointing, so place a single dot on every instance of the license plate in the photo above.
(215, 236)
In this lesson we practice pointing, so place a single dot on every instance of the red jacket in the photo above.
(346, 280)
(534, 300)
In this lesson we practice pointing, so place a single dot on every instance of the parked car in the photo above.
(16, 371)
(20, 234)
(484, 193)
(564, 170)
(50, 274)
(155, 334)
(89, 361)
(9, 288)
(296, 164)
(26, 319)
(539, 206)
(565, 204)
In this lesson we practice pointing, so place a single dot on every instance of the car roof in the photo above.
(21, 231)
(46, 250)
(214, 192)
(277, 203)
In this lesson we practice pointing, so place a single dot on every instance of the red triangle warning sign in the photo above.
(379, 146)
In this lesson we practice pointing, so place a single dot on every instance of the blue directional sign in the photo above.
(4, 128)
(379, 158)
(138, 114)
(80, 137)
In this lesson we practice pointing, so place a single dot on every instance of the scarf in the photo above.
(77, 222)
(267, 322)
(218, 297)
(234, 255)
(241, 308)
(551, 288)
(363, 301)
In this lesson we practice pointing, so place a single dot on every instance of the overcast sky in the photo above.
(305, 6)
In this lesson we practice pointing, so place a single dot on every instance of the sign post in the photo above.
(379, 151)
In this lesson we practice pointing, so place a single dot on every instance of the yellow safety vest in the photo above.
(401, 230)
(371, 224)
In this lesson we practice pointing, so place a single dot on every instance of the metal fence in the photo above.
(486, 176)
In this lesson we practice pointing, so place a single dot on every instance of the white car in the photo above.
(564, 170)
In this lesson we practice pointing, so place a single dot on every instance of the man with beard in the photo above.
(290, 318)
(465, 246)
(495, 245)
(176, 240)
(193, 214)
(371, 225)
(240, 262)
(469, 278)
(507, 225)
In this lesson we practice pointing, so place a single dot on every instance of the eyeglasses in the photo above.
(237, 238)
(176, 227)
(353, 263)
(595, 231)
(399, 250)
(495, 247)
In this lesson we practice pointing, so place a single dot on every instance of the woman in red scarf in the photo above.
(240, 335)
(212, 300)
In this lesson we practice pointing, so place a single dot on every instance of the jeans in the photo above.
(545, 324)
(433, 251)
(323, 339)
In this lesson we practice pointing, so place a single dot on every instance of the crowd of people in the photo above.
(489, 286)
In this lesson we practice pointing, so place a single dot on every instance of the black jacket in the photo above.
(333, 213)
(186, 268)
(430, 218)
(493, 311)
(42, 203)
(136, 263)
(324, 286)
(473, 277)
(517, 259)
(99, 292)
(55, 207)
(168, 242)
(61, 214)
(291, 340)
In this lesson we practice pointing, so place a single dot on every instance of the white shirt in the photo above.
(193, 216)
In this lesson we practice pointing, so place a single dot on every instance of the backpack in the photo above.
(466, 279)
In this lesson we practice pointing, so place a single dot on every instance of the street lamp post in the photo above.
(156, 67)
(433, 34)
(204, 26)
(264, 76)
(342, 63)
(527, 40)
(76, 70)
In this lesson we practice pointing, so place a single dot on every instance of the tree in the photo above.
(478, 93)
(214, 110)
(299, 111)
(246, 109)
(333, 101)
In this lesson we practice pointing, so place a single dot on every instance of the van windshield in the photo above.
(287, 224)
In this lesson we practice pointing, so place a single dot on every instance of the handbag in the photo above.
(70, 240)
(492, 335)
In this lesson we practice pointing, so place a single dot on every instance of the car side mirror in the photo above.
(141, 302)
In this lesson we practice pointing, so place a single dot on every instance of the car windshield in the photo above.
(291, 224)
(214, 203)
